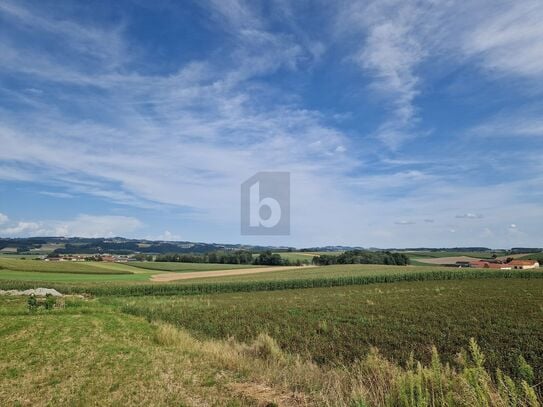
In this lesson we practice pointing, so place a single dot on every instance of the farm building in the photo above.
(523, 264)
(512, 265)
(479, 264)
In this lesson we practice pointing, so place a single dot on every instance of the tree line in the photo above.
(266, 258)
(362, 257)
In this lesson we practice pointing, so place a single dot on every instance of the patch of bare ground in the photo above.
(173, 276)
(266, 396)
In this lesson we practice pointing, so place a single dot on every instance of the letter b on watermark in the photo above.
(265, 204)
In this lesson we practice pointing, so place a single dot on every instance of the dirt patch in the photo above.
(173, 276)
(266, 396)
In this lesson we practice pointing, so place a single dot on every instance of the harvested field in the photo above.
(219, 273)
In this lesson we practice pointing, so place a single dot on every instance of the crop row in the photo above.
(135, 289)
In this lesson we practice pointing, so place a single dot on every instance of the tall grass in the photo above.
(372, 381)
(135, 289)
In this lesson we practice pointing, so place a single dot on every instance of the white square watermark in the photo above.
(265, 204)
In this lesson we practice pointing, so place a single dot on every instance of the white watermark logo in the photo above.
(265, 204)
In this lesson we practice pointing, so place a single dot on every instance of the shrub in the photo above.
(32, 303)
(50, 302)
(265, 347)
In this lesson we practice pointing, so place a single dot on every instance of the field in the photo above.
(188, 267)
(303, 256)
(99, 272)
(339, 324)
(293, 337)
(40, 266)
(437, 254)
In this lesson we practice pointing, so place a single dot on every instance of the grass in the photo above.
(533, 256)
(38, 278)
(96, 352)
(88, 354)
(340, 324)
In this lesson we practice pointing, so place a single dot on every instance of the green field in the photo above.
(336, 271)
(71, 277)
(339, 324)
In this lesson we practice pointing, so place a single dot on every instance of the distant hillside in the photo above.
(117, 245)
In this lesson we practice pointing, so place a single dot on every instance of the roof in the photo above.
(478, 263)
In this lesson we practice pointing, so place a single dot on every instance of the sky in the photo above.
(402, 123)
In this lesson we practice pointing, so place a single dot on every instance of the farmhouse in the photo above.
(523, 264)
(514, 264)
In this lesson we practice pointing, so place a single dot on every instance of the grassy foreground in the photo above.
(90, 352)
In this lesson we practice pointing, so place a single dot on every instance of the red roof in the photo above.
(478, 263)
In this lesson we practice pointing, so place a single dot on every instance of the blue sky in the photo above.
(402, 123)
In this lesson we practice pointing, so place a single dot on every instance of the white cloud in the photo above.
(3, 218)
(391, 52)
(510, 38)
(470, 216)
(81, 226)
(404, 222)
(511, 124)
(167, 236)
(22, 229)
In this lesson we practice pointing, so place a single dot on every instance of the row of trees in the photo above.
(236, 257)
(266, 258)
(362, 257)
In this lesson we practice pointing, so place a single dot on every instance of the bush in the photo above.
(34, 304)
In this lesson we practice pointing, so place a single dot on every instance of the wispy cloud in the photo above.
(510, 38)
(81, 226)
